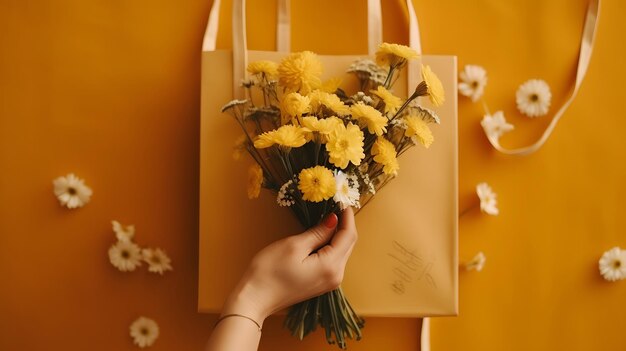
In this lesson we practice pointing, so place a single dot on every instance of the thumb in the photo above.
(319, 235)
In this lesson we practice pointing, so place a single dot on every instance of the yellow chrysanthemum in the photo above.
(240, 147)
(394, 55)
(300, 71)
(392, 102)
(345, 145)
(331, 85)
(320, 99)
(316, 184)
(294, 105)
(384, 152)
(267, 68)
(368, 116)
(418, 129)
(322, 126)
(286, 136)
(255, 180)
(433, 85)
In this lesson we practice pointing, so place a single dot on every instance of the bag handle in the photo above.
(374, 32)
(586, 49)
(374, 26)
(283, 26)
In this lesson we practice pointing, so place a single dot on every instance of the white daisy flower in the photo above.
(347, 193)
(495, 125)
(144, 332)
(71, 191)
(477, 263)
(125, 256)
(123, 233)
(612, 264)
(488, 203)
(157, 260)
(473, 82)
(533, 98)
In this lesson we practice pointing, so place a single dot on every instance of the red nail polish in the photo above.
(330, 221)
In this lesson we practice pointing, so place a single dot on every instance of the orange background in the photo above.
(110, 90)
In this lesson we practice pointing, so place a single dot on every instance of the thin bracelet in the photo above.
(237, 315)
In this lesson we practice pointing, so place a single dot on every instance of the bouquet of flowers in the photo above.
(321, 149)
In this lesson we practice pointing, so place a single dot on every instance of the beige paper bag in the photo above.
(405, 262)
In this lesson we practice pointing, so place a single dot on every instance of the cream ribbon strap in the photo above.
(586, 49)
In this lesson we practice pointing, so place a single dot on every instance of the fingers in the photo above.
(346, 235)
(319, 235)
(340, 247)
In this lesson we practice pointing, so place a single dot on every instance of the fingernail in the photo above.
(330, 221)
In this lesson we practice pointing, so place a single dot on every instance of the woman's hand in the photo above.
(295, 268)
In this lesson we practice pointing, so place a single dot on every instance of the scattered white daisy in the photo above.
(495, 125)
(71, 191)
(123, 232)
(488, 202)
(157, 260)
(125, 256)
(347, 193)
(285, 194)
(144, 332)
(477, 263)
(533, 98)
(473, 82)
(612, 264)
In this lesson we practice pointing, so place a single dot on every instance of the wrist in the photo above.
(245, 300)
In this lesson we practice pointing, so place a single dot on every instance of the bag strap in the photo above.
(374, 32)
(283, 32)
(586, 49)
(282, 26)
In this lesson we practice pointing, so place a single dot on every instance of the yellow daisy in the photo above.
(286, 136)
(368, 116)
(433, 85)
(264, 67)
(417, 129)
(345, 145)
(322, 126)
(331, 85)
(300, 71)
(316, 184)
(294, 105)
(392, 102)
(394, 55)
(320, 99)
(384, 152)
(255, 180)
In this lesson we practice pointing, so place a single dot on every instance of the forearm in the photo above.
(234, 334)
(239, 326)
